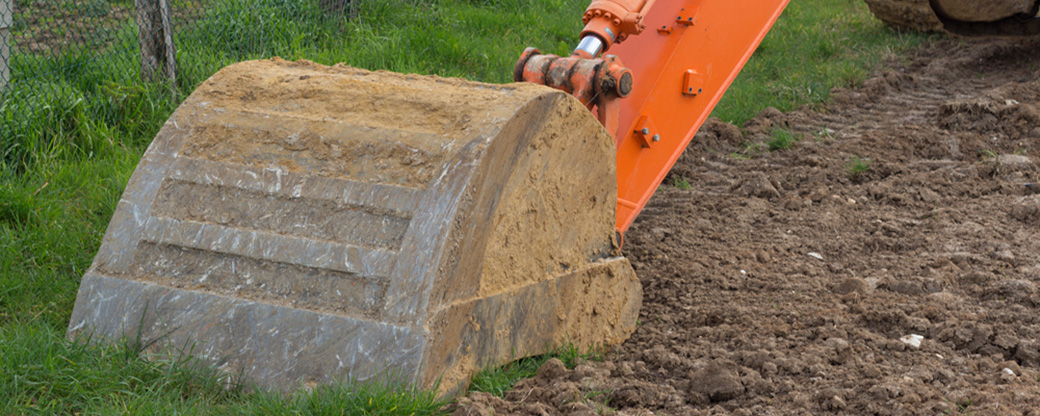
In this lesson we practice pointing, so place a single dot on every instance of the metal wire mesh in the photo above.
(59, 59)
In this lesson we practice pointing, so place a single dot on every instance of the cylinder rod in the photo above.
(591, 45)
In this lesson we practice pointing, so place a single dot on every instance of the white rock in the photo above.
(912, 340)
(815, 255)
(1009, 371)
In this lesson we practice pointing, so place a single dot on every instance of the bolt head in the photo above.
(657, 137)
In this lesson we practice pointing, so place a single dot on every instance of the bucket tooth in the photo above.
(298, 224)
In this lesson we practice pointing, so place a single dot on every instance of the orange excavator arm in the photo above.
(672, 77)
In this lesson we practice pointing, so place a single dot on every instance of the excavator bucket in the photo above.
(298, 224)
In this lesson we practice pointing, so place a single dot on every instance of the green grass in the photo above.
(816, 45)
(857, 166)
(781, 139)
(70, 143)
(40, 373)
(498, 380)
(680, 181)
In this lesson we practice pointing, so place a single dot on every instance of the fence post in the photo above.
(155, 34)
(6, 19)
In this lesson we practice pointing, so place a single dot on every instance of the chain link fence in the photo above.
(65, 64)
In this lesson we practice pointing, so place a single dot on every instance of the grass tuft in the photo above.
(498, 380)
(680, 181)
(857, 166)
(781, 139)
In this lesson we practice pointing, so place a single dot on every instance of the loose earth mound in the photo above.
(799, 281)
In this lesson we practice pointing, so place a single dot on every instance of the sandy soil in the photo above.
(785, 282)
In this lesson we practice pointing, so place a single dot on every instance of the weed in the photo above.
(680, 181)
(781, 139)
(824, 134)
(857, 166)
(749, 150)
(598, 399)
(965, 407)
(498, 380)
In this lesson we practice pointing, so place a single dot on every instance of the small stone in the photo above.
(1007, 376)
(912, 340)
(1015, 161)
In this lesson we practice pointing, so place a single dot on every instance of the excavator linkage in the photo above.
(298, 224)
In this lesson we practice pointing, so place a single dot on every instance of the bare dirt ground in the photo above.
(782, 284)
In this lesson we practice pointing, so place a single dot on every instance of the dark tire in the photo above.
(918, 15)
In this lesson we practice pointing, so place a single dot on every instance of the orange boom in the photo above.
(676, 74)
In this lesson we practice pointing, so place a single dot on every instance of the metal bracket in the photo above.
(646, 131)
(686, 16)
(693, 83)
